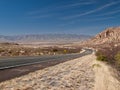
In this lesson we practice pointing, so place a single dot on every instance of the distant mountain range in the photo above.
(36, 38)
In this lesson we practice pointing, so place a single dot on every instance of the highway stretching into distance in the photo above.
(12, 67)
(22, 61)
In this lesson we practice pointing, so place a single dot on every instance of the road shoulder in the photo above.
(104, 77)
(76, 74)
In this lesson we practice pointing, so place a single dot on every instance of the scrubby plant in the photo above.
(112, 55)
(101, 56)
(55, 50)
(117, 58)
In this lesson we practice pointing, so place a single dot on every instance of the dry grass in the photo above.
(12, 49)
(111, 56)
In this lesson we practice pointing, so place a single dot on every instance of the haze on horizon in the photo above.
(58, 16)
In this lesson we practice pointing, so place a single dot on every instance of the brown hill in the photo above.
(108, 36)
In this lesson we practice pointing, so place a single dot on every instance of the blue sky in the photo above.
(58, 16)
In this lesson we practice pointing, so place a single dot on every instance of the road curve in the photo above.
(16, 67)
(76, 74)
(8, 63)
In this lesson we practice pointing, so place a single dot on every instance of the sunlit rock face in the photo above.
(110, 35)
(107, 37)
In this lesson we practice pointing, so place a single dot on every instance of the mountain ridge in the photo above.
(44, 38)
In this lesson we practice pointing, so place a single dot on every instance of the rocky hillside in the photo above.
(110, 35)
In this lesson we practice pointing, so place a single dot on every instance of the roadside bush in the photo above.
(55, 50)
(112, 56)
(117, 58)
(101, 56)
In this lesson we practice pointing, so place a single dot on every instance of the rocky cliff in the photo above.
(110, 35)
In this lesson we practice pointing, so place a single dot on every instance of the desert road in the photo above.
(23, 61)
(15, 67)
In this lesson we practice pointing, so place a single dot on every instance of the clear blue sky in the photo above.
(58, 16)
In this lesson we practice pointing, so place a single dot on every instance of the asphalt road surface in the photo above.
(15, 67)
(22, 61)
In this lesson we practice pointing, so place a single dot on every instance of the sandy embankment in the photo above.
(76, 74)
(83, 73)
(104, 77)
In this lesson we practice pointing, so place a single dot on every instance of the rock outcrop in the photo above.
(110, 35)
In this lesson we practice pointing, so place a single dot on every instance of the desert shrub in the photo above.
(2, 50)
(65, 51)
(55, 50)
(112, 56)
(117, 58)
(101, 56)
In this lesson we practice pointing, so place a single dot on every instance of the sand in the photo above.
(84, 73)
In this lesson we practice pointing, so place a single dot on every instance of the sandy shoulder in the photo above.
(76, 74)
(84, 73)
(104, 79)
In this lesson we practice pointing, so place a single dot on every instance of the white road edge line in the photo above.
(30, 63)
(22, 65)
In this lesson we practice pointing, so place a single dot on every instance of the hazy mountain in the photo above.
(44, 38)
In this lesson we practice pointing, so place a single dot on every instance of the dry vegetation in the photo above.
(111, 55)
(13, 49)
